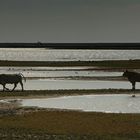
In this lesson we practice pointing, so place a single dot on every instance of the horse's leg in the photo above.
(15, 85)
(133, 85)
(21, 85)
(4, 87)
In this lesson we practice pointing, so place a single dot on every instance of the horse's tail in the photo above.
(22, 76)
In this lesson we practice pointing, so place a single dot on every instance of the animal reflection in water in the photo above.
(11, 79)
(133, 77)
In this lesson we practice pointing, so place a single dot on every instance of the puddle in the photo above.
(123, 103)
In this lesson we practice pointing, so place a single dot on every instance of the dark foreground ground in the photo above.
(71, 125)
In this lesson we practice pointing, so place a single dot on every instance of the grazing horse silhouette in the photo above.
(11, 79)
(133, 77)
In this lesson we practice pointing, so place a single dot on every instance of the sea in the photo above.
(43, 54)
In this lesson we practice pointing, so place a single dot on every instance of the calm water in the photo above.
(66, 55)
(51, 84)
(57, 71)
(99, 103)
(55, 78)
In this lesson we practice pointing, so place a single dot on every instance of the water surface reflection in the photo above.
(51, 84)
(100, 103)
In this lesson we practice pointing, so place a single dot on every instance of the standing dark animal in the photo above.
(133, 77)
(11, 79)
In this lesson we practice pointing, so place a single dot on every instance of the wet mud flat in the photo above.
(33, 122)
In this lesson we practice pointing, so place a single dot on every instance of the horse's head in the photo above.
(125, 74)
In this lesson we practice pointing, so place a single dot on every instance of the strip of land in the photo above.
(110, 64)
(52, 93)
(108, 46)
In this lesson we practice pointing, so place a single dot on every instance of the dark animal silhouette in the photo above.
(11, 79)
(133, 77)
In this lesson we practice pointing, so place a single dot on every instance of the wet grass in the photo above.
(121, 64)
(71, 125)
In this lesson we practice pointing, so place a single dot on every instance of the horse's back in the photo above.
(10, 78)
(133, 76)
(137, 77)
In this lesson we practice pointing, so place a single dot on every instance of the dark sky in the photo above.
(70, 20)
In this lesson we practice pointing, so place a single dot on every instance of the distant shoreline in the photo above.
(100, 46)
